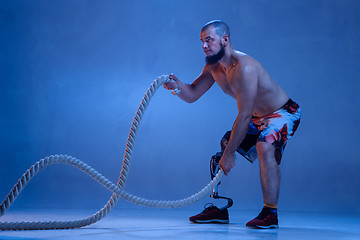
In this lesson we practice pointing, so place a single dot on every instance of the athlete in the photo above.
(262, 105)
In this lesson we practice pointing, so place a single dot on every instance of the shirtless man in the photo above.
(261, 103)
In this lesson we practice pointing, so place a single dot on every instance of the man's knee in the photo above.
(265, 151)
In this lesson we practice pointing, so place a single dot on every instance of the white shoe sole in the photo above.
(211, 221)
(264, 227)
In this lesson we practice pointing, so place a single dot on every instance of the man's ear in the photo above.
(225, 40)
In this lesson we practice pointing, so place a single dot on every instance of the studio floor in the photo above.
(146, 223)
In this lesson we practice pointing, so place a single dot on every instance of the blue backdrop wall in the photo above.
(74, 72)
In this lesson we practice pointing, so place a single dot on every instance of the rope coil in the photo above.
(117, 189)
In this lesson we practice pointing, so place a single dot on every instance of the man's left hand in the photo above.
(227, 162)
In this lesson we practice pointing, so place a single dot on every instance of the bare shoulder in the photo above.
(246, 60)
(206, 69)
(246, 64)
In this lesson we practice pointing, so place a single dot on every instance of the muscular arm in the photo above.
(192, 92)
(245, 88)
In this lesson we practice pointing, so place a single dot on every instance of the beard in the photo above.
(212, 59)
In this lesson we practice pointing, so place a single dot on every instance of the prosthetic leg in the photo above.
(211, 213)
(214, 168)
(247, 149)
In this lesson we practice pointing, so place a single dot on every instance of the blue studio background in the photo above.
(72, 74)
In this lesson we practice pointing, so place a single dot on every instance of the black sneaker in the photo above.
(211, 214)
(266, 219)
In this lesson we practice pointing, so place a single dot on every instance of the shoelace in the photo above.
(264, 214)
(208, 207)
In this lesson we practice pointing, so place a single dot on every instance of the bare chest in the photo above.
(225, 80)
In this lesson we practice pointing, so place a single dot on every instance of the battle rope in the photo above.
(117, 189)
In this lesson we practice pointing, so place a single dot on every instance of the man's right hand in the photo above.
(171, 85)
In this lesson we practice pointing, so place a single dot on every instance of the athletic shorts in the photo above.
(275, 128)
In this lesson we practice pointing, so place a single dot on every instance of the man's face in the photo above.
(212, 45)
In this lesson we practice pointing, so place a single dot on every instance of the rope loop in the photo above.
(116, 189)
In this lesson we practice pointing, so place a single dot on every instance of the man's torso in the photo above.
(270, 97)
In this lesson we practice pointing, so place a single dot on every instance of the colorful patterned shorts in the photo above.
(275, 128)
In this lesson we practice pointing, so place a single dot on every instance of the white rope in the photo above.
(117, 189)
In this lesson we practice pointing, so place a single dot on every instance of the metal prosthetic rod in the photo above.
(214, 168)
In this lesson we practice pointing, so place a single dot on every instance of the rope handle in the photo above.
(166, 79)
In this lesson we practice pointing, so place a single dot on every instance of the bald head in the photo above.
(219, 26)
